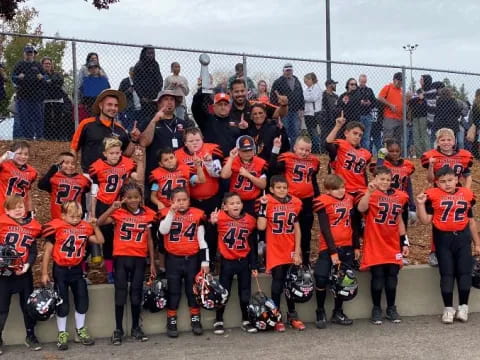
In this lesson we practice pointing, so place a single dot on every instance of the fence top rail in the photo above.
(232, 53)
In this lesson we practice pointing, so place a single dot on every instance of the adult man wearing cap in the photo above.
(328, 113)
(391, 97)
(290, 86)
(164, 130)
(88, 137)
(218, 128)
(28, 78)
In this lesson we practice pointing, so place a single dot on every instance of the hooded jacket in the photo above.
(425, 107)
(147, 78)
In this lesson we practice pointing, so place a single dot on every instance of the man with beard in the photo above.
(88, 138)
(148, 82)
(164, 130)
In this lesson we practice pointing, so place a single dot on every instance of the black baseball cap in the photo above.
(398, 76)
(330, 82)
(245, 143)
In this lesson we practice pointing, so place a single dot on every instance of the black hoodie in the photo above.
(147, 78)
(424, 107)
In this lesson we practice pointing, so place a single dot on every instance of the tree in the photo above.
(9, 8)
(458, 93)
(11, 48)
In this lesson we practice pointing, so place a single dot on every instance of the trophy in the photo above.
(204, 75)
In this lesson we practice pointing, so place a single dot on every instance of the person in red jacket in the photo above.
(108, 175)
(66, 241)
(450, 211)
(183, 230)
(238, 249)
(21, 232)
(384, 241)
(278, 216)
(132, 243)
(16, 176)
(300, 168)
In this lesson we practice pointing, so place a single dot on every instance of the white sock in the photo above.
(79, 320)
(61, 323)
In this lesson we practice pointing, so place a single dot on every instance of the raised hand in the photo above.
(421, 198)
(340, 121)
(243, 124)
(233, 152)
(135, 133)
(214, 216)
(277, 142)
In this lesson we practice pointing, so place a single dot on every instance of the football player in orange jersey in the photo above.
(446, 154)
(183, 230)
(66, 241)
(384, 241)
(450, 211)
(171, 174)
(246, 171)
(132, 243)
(238, 249)
(16, 176)
(300, 168)
(278, 215)
(338, 242)
(20, 232)
(108, 175)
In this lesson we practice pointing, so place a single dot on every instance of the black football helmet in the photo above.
(42, 303)
(299, 284)
(343, 282)
(476, 273)
(208, 291)
(155, 295)
(262, 312)
(10, 260)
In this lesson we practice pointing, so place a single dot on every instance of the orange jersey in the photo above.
(280, 232)
(339, 216)
(460, 161)
(167, 180)
(69, 241)
(66, 188)
(451, 212)
(15, 181)
(299, 173)
(351, 164)
(233, 235)
(400, 172)
(212, 185)
(110, 178)
(241, 185)
(381, 238)
(182, 239)
(130, 234)
(21, 236)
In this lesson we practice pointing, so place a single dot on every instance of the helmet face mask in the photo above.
(299, 285)
(10, 260)
(155, 295)
(343, 282)
(262, 312)
(42, 303)
(210, 294)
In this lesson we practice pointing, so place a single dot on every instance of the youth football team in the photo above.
(188, 222)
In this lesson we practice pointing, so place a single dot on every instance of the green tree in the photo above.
(458, 93)
(11, 47)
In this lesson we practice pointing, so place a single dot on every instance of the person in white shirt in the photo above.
(313, 105)
(174, 82)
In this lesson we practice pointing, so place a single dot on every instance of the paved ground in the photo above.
(416, 338)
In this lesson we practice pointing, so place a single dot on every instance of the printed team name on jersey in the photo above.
(283, 207)
(115, 171)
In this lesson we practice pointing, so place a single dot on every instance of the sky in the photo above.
(371, 31)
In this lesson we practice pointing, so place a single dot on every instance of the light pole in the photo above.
(327, 33)
(411, 48)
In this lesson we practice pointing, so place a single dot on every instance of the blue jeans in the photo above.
(377, 141)
(366, 121)
(29, 121)
(292, 125)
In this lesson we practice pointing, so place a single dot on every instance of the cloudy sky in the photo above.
(362, 30)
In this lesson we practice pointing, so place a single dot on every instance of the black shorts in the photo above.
(129, 269)
(70, 277)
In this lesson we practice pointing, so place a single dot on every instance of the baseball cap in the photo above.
(29, 48)
(288, 66)
(245, 143)
(330, 82)
(398, 76)
(221, 97)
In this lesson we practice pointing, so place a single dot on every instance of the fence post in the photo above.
(75, 84)
(404, 114)
(244, 57)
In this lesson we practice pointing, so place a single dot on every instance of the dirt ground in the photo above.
(44, 153)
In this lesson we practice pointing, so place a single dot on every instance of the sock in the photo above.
(447, 299)
(376, 297)
(79, 320)
(321, 295)
(135, 316)
(30, 332)
(194, 311)
(108, 265)
(171, 313)
(390, 294)
(244, 309)
(119, 316)
(463, 297)
(61, 323)
(338, 304)
(219, 314)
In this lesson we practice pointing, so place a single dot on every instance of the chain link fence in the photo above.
(49, 105)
